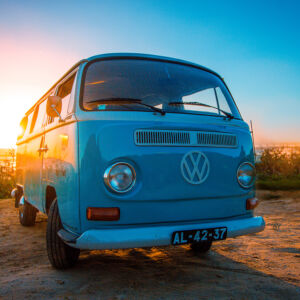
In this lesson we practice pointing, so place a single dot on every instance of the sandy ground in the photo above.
(260, 266)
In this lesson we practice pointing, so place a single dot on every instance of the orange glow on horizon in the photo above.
(29, 67)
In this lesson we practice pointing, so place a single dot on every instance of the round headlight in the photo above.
(246, 175)
(120, 177)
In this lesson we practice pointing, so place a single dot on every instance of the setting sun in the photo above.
(28, 69)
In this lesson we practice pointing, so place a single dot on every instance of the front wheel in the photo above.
(201, 247)
(61, 255)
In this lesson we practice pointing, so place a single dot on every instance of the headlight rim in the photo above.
(253, 179)
(107, 174)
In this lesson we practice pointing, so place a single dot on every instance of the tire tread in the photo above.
(202, 247)
(61, 255)
(29, 215)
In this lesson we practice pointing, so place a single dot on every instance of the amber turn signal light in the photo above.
(251, 203)
(103, 213)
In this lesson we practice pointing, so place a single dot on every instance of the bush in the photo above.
(7, 172)
(279, 169)
(6, 187)
(279, 184)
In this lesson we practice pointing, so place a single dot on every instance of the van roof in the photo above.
(123, 55)
(148, 56)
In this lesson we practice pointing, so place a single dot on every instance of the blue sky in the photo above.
(254, 45)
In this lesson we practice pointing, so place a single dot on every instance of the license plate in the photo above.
(199, 235)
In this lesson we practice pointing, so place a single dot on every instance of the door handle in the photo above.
(43, 149)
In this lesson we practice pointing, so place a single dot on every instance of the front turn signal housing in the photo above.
(251, 203)
(103, 213)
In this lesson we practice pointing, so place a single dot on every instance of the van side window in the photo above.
(34, 117)
(38, 117)
(29, 122)
(222, 100)
(64, 91)
(72, 96)
(23, 126)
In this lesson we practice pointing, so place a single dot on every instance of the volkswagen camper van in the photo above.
(134, 150)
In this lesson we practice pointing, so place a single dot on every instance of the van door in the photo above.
(60, 161)
(36, 148)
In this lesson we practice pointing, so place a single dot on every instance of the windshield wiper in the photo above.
(229, 115)
(122, 101)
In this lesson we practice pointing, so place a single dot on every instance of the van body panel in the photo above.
(29, 171)
(60, 171)
(160, 194)
(160, 235)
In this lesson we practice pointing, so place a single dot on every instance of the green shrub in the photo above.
(7, 172)
(6, 187)
(279, 169)
(285, 183)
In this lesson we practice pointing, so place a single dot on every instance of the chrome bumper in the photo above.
(121, 238)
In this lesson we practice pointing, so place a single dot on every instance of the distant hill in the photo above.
(277, 145)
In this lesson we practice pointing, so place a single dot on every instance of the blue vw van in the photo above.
(134, 150)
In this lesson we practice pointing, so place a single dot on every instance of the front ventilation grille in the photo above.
(216, 139)
(148, 137)
(162, 137)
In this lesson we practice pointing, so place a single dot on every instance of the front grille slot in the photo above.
(149, 137)
(216, 139)
(162, 137)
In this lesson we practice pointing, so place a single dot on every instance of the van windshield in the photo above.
(171, 87)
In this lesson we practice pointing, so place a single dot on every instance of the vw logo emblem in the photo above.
(195, 167)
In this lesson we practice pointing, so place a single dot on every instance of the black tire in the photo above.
(27, 214)
(202, 247)
(17, 198)
(61, 255)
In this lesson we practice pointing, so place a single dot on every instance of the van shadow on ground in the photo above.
(175, 273)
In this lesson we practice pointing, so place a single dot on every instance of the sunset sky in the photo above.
(254, 46)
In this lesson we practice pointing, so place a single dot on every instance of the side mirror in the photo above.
(53, 108)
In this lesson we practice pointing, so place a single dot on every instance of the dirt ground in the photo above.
(259, 266)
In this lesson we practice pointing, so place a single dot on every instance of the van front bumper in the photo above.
(121, 238)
